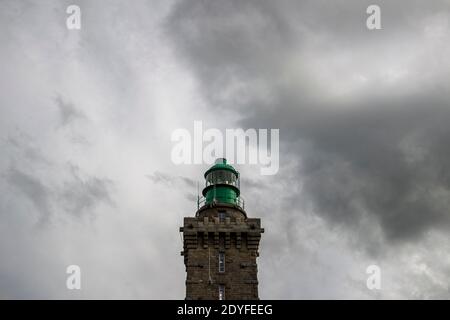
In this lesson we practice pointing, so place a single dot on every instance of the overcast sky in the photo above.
(86, 118)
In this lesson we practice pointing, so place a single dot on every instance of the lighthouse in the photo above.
(220, 243)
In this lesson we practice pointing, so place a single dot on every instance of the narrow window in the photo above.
(222, 215)
(221, 292)
(221, 262)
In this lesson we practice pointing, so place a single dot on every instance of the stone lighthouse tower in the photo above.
(221, 242)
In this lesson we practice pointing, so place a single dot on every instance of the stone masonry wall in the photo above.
(237, 236)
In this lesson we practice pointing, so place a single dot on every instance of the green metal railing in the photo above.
(201, 201)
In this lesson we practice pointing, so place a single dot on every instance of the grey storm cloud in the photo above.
(175, 182)
(68, 111)
(77, 196)
(170, 180)
(381, 151)
(81, 194)
(86, 118)
(32, 189)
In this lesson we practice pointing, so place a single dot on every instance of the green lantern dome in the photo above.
(222, 184)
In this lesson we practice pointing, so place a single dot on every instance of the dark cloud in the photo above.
(170, 180)
(77, 196)
(80, 195)
(33, 189)
(67, 111)
(176, 182)
(387, 161)
(23, 146)
(381, 151)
